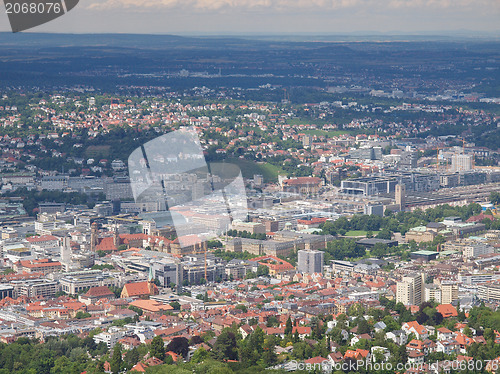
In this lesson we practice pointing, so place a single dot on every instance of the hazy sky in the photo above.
(276, 16)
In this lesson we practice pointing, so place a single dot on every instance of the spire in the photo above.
(116, 237)
(150, 275)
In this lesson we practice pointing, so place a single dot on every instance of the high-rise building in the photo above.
(307, 140)
(408, 160)
(66, 253)
(410, 291)
(258, 180)
(310, 261)
(461, 162)
(433, 293)
(449, 293)
(400, 196)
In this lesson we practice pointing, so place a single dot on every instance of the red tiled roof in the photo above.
(315, 360)
(447, 310)
(101, 291)
(106, 244)
(137, 289)
(302, 181)
(38, 239)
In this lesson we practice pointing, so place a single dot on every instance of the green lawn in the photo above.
(325, 133)
(304, 121)
(249, 168)
(359, 233)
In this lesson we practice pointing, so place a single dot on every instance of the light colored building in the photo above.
(310, 261)
(17, 252)
(449, 293)
(461, 162)
(400, 195)
(477, 249)
(302, 185)
(475, 279)
(410, 291)
(420, 234)
(489, 291)
(35, 288)
(74, 282)
(251, 227)
(433, 293)
(44, 266)
(111, 337)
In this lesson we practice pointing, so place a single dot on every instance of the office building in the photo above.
(74, 282)
(489, 292)
(6, 291)
(35, 288)
(400, 196)
(477, 249)
(310, 261)
(461, 162)
(168, 272)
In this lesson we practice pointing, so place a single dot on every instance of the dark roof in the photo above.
(435, 225)
(370, 242)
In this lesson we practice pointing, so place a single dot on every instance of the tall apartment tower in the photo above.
(449, 293)
(400, 196)
(410, 291)
(310, 261)
(66, 253)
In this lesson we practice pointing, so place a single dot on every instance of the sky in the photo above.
(205, 17)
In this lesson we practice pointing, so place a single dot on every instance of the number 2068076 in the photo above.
(34, 8)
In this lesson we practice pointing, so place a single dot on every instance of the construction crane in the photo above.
(437, 158)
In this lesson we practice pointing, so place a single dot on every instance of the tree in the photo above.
(175, 305)
(199, 355)
(269, 355)
(489, 334)
(262, 271)
(132, 357)
(256, 339)
(82, 314)
(272, 321)
(241, 307)
(225, 347)
(157, 348)
(116, 360)
(288, 327)
(363, 326)
(179, 345)
(495, 197)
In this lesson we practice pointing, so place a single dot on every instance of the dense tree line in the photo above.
(398, 222)
(32, 198)
(246, 234)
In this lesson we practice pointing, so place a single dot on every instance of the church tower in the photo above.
(153, 290)
(93, 236)
(116, 237)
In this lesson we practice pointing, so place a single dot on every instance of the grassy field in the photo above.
(325, 133)
(305, 121)
(359, 233)
(249, 168)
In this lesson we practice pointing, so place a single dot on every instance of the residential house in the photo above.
(415, 328)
